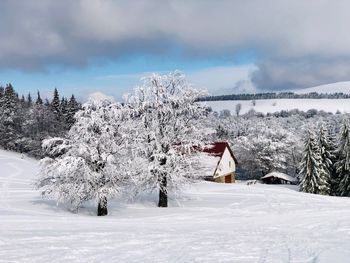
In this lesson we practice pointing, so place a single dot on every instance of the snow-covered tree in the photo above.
(264, 147)
(238, 109)
(72, 108)
(9, 118)
(88, 164)
(343, 163)
(38, 101)
(56, 105)
(327, 146)
(29, 100)
(313, 174)
(167, 120)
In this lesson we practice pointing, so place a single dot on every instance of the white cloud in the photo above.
(216, 80)
(73, 32)
(37, 34)
(98, 96)
(224, 80)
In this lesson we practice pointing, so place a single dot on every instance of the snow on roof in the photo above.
(279, 175)
(204, 163)
(216, 149)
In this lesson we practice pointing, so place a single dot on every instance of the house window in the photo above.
(229, 163)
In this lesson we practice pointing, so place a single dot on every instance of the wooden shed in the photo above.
(278, 178)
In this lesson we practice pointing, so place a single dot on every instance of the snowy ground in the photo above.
(213, 223)
(273, 105)
(340, 87)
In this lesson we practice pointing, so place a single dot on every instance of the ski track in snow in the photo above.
(212, 223)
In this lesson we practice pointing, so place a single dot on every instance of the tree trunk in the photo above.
(102, 206)
(163, 195)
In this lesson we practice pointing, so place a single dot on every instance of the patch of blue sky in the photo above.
(119, 75)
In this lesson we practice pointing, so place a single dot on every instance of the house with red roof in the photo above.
(219, 163)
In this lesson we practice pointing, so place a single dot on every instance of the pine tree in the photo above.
(343, 164)
(313, 175)
(334, 157)
(64, 110)
(56, 105)
(57, 124)
(327, 149)
(2, 91)
(23, 100)
(72, 108)
(23, 124)
(29, 100)
(39, 101)
(8, 120)
(10, 98)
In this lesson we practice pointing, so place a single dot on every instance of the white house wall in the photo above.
(226, 164)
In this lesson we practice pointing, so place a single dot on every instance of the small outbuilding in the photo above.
(278, 178)
(218, 163)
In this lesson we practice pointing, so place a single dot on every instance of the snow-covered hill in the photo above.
(212, 223)
(273, 105)
(338, 87)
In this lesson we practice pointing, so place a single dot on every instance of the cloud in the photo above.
(289, 34)
(216, 80)
(224, 80)
(302, 73)
(99, 96)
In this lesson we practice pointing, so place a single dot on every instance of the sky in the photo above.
(226, 46)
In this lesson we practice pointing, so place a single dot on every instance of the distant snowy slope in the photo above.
(337, 87)
(273, 105)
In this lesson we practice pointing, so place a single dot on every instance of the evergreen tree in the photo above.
(313, 175)
(29, 100)
(39, 101)
(72, 108)
(8, 121)
(333, 156)
(327, 149)
(10, 98)
(56, 104)
(2, 91)
(23, 124)
(343, 164)
(64, 109)
(23, 100)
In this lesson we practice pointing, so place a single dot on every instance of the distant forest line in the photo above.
(273, 95)
(25, 121)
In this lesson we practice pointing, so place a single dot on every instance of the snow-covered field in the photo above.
(212, 223)
(339, 87)
(273, 105)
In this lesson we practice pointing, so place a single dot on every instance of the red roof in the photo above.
(216, 149)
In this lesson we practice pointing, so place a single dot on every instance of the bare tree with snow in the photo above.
(238, 109)
(167, 133)
(88, 164)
